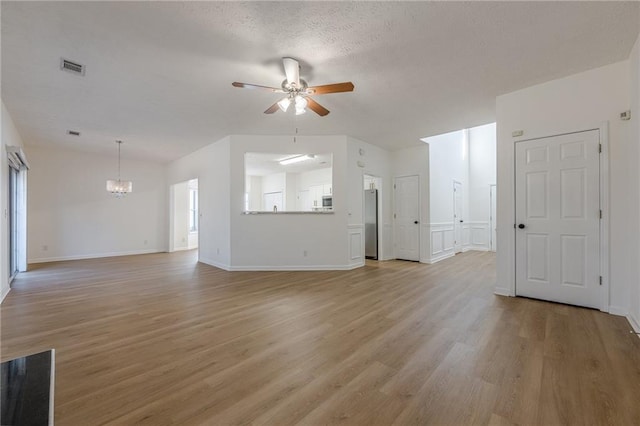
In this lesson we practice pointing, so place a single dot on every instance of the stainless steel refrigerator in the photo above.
(371, 223)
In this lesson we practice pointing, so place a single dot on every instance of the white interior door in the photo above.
(457, 217)
(407, 217)
(558, 219)
(492, 216)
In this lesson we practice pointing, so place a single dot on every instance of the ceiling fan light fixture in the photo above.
(301, 105)
(301, 102)
(283, 104)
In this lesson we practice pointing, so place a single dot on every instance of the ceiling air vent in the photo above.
(67, 65)
(73, 132)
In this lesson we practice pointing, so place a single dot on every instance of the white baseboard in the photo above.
(635, 323)
(4, 294)
(296, 267)
(255, 268)
(618, 310)
(502, 291)
(476, 248)
(93, 256)
(435, 259)
(215, 264)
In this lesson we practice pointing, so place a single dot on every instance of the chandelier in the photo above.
(119, 188)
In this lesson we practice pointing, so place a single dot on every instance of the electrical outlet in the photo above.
(146, 242)
(45, 247)
(304, 253)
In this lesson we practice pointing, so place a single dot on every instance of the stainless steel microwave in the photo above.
(327, 201)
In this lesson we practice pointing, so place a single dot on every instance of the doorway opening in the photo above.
(16, 212)
(372, 216)
(184, 223)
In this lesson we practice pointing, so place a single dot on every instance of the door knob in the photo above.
(461, 220)
(521, 226)
(415, 221)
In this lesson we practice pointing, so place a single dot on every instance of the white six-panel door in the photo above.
(558, 219)
(407, 216)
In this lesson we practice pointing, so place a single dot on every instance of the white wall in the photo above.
(578, 102)
(448, 161)
(9, 137)
(482, 173)
(414, 161)
(374, 161)
(210, 165)
(634, 66)
(72, 216)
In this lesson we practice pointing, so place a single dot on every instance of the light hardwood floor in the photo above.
(159, 339)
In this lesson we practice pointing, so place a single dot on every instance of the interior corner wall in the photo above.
(9, 137)
(290, 241)
(577, 102)
(364, 158)
(634, 67)
(72, 216)
(448, 162)
(414, 161)
(482, 174)
(210, 165)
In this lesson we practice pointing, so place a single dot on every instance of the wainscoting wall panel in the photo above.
(479, 236)
(440, 241)
(356, 245)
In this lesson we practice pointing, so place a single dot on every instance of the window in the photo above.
(193, 210)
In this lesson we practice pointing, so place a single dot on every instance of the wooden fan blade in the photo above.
(331, 88)
(292, 71)
(255, 86)
(273, 108)
(316, 107)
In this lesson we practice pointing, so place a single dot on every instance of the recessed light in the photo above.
(73, 132)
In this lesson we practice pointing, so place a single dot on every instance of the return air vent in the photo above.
(73, 132)
(67, 65)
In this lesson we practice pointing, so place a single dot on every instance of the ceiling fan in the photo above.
(297, 92)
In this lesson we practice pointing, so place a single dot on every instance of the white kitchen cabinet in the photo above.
(315, 196)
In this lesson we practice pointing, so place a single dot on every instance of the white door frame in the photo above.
(419, 214)
(603, 129)
(378, 212)
(456, 220)
(492, 220)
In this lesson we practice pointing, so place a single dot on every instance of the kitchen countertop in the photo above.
(27, 390)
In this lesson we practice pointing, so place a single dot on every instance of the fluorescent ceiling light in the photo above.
(297, 159)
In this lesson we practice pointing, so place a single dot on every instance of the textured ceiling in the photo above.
(158, 74)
